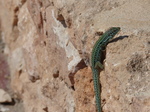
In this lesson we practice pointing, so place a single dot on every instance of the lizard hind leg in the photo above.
(98, 64)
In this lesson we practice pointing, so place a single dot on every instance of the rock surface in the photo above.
(48, 44)
(4, 97)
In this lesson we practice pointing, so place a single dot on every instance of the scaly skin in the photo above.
(96, 61)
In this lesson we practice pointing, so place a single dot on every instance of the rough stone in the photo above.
(4, 97)
(47, 40)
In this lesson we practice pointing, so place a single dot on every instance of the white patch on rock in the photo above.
(16, 60)
(63, 42)
(28, 34)
(4, 109)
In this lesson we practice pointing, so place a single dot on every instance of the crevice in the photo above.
(45, 109)
(9, 103)
(62, 20)
(45, 43)
(20, 72)
(15, 21)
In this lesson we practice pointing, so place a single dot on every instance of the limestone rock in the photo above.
(4, 97)
(49, 43)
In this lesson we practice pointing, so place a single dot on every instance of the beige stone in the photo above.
(46, 41)
(4, 97)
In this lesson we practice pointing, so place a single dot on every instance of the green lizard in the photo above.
(96, 64)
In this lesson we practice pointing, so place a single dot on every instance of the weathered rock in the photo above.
(47, 40)
(4, 97)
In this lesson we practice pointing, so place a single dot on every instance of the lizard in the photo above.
(96, 61)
